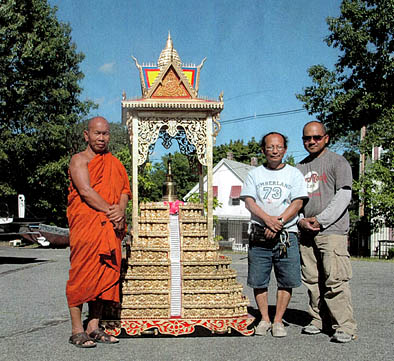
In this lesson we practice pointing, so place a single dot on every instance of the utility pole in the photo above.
(361, 210)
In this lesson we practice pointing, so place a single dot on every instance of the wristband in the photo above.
(280, 219)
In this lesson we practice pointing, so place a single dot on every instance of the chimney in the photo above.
(230, 155)
(253, 161)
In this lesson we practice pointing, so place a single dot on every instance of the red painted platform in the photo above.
(179, 326)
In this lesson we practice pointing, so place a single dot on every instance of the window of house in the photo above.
(223, 229)
(235, 201)
(234, 195)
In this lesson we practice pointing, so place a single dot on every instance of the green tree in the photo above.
(289, 159)
(39, 90)
(241, 152)
(359, 92)
(147, 184)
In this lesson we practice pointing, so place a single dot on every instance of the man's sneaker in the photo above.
(342, 337)
(278, 330)
(262, 328)
(311, 329)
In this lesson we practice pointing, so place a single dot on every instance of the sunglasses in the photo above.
(316, 138)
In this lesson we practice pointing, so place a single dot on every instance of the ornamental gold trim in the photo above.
(149, 129)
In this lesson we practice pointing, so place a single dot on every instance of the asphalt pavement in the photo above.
(34, 320)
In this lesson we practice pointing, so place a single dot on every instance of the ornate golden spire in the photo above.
(169, 54)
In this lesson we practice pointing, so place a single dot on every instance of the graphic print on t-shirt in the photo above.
(273, 193)
(313, 179)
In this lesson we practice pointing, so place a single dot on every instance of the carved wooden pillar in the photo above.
(209, 150)
(134, 135)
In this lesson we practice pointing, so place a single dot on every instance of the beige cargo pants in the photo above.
(326, 271)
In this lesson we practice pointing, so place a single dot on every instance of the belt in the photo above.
(257, 234)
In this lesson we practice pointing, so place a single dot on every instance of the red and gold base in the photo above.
(179, 326)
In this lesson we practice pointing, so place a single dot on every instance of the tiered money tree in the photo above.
(174, 278)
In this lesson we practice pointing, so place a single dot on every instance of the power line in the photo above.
(244, 95)
(264, 115)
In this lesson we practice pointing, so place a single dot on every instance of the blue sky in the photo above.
(257, 51)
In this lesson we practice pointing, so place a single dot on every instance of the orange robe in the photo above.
(95, 248)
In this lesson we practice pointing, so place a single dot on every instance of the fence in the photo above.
(235, 231)
(383, 248)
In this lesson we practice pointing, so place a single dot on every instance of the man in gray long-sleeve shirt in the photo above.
(326, 268)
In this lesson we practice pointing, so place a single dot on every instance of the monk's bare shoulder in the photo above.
(79, 160)
(79, 172)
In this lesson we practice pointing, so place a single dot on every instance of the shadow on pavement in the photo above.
(20, 260)
(291, 316)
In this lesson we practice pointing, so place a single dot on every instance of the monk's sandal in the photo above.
(100, 336)
(81, 340)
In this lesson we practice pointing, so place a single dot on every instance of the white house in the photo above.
(228, 177)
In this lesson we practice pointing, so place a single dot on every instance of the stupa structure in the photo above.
(174, 278)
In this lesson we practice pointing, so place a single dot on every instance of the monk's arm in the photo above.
(117, 211)
(81, 180)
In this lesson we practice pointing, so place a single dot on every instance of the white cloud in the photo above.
(99, 101)
(107, 68)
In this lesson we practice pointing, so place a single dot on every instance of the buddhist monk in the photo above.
(98, 195)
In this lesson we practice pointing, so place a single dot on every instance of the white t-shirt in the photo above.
(274, 190)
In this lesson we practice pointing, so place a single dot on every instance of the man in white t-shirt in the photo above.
(274, 193)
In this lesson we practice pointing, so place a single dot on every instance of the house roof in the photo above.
(240, 170)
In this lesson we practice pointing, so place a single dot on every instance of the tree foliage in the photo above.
(39, 90)
(185, 175)
(359, 92)
(244, 153)
(241, 152)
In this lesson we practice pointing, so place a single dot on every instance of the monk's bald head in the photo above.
(97, 135)
(92, 122)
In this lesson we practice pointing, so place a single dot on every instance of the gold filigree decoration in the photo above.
(212, 299)
(145, 313)
(149, 241)
(146, 300)
(171, 86)
(176, 327)
(211, 284)
(148, 256)
(145, 285)
(147, 270)
(154, 228)
(216, 125)
(149, 128)
(200, 256)
(214, 312)
(172, 129)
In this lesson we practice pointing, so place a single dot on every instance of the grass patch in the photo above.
(371, 259)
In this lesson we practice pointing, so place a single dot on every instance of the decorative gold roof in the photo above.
(191, 104)
(169, 54)
(169, 78)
